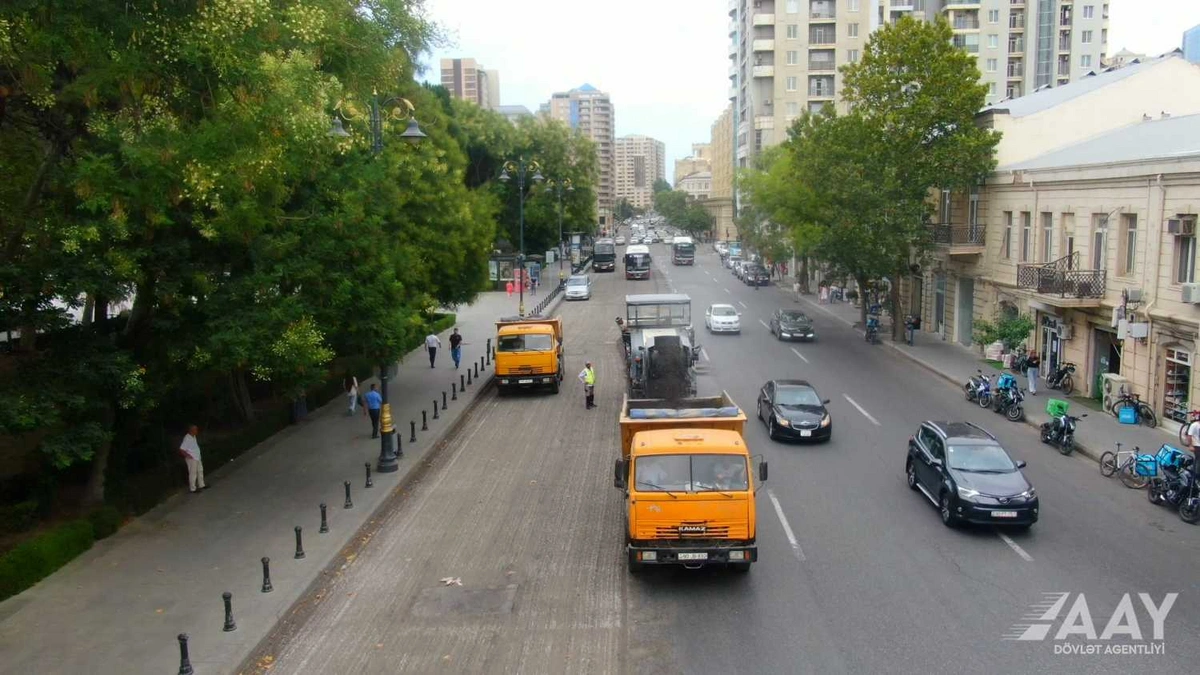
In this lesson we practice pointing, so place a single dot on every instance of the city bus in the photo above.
(683, 251)
(604, 255)
(637, 262)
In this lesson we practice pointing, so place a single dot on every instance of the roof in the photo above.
(963, 431)
(690, 441)
(1039, 101)
(657, 299)
(1165, 138)
(586, 87)
(793, 383)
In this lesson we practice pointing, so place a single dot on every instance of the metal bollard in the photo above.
(468, 376)
(481, 367)
(299, 544)
(349, 504)
(477, 372)
(324, 522)
(185, 664)
(399, 446)
(424, 422)
(462, 383)
(443, 400)
(370, 483)
(488, 353)
(267, 587)
(453, 391)
(229, 624)
(412, 427)
(435, 409)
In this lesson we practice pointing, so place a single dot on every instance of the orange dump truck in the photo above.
(689, 488)
(529, 353)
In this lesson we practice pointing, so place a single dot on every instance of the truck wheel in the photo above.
(740, 568)
(554, 386)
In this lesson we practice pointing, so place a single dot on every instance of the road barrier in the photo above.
(185, 664)
(349, 504)
(230, 626)
(324, 521)
(370, 483)
(299, 543)
(267, 587)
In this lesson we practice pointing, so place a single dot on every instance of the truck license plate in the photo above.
(693, 556)
(524, 381)
(806, 432)
(1004, 514)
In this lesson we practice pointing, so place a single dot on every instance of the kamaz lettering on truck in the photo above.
(689, 488)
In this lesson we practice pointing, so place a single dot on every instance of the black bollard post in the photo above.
(435, 409)
(229, 624)
(399, 446)
(424, 422)
(462, 383)
(453, 391)
(349, 504)
(299, 544)
(185, 664)
(370, 483)
(443, 400)
(468, 376)
(488, 353)
(481, 367)
(267, 587)
(324, 521)
(412, 428)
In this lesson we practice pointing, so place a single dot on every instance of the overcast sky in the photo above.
(664, 62)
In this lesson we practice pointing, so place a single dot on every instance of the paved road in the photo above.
(520, 509)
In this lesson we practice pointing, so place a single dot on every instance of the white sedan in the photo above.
(579, 287)
(620, 240)
(722, 319)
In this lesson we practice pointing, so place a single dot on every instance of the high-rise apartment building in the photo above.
(466, 79)
(785, 54)
(640, 161)
(590, 111)
(700, 160)
(720, 199)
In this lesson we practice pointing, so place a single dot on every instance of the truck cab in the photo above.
(529, 353)
(688, 482)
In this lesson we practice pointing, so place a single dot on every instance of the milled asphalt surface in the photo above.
(520, 509)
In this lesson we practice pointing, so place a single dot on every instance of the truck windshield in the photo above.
(691, 473)
(524, 343)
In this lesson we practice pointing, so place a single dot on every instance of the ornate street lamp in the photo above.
(560, 185)
(412, 134)
(521, 167)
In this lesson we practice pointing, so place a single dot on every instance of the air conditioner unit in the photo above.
(1118, 314)
(1064, 331)
(1133, 295)
(1183, 226)
(1111, 387)
(1191, 294)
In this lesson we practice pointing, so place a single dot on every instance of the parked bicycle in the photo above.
(1134, 468)
(1184, 440)
(1143, 413)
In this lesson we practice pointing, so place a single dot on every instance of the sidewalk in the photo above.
(119, 607)
(955, 363)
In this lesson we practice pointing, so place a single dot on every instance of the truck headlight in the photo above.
(737, 555)
(648, 555)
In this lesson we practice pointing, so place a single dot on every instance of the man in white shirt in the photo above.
(431, 344)
(190, 449)
(1193, 433)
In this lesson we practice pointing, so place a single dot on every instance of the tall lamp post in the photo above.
(388, 460)
(521, 167)
(560, 185)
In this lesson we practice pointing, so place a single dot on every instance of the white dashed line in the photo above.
(805, 360)
(764, 323)
(1015, 546)
(727, 291)
(745, 307)
(861, 410)
(704, 353)
(787, 529)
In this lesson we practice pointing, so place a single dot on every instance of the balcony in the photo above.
(763, 71)
(961, 4)
(733, 28)
(822, 16)
(763, 45)
(764, 122)
(902, 5)
(733, 72)
(1064, 44)
(733, 6)
(1016, 71)
(960, 240)
(764, 20)
(966, 23)
(1016, 22)
(1016, 48)
(1062, 284)
(815, 65)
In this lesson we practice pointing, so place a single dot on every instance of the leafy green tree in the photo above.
(624, 210)
(1011, 331)
(661, 185)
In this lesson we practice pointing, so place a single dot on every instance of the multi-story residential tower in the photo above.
(467, 80)
(1191, 44)
(590, 111)
(640, 161)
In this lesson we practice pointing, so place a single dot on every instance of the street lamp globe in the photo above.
(504, 178)
(537, 177)
(337, 129)
(413, 134)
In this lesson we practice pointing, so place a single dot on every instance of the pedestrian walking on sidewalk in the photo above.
(824, 294)
(509, 287)
(351, 395)
(190, 450)
(374, 403)
(456, 348)
(1193, 434)
(1031, 371)
(588, 377)
(431, 345)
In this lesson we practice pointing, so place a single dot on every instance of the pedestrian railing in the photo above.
(560, 287)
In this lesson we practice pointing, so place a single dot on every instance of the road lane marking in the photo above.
(1014, 546)
(764, 323)
(797, 353)
(787, 529)
(745, 307)
(727, 291)
(861, 410)
(704, 354)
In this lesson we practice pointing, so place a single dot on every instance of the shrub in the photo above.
(19, 517)
(1010, 331)
(105, 522)
(39, 557)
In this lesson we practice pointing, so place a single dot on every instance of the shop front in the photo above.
(1176, 369)
(1106, 358)
(1050, 343)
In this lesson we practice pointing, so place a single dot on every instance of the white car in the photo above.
(579, 287)
(722, 319)
(732, 260)
(620, 240)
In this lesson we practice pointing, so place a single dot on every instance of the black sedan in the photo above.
(792, 324)
(793, 410)
(755, 275)
(969, 476)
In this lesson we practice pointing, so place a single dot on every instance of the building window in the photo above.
(791, 83)
(1099, 241)
(993, 16)
(852, 30)
(1006, 244)
(1085, 61)
(1089, 11)
(1085, 37)
(792, 108)
(1185, 259)
(992, 88)
(815, 107)
(992, 66)
(793, 31)
(792, 7)
(1026, 235)
(1129, 243)
(793, 58)
(1178, 373)
(1068, 233)
(993, 41)
(1047, 236)
(852, 6)
(851, 56)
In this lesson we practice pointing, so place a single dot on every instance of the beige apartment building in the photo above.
(720, 199)
(590, 112)
(466, 79)
(699, 160)
(698, 185)
(640, 161)
(1088, 227)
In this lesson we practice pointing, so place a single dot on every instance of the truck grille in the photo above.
(710, 532)
(526, 370)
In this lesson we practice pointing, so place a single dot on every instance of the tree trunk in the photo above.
(897, 314)
(100, 313)
(804, 288)
(94, 494)
(861, 282)
(240, 392)
(143, 301)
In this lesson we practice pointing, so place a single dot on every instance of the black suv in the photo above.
(755, 275)
(969, 476)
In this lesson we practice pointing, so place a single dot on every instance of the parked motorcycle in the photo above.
(1176, 484)
(1062, 379)
(983, 393)
(1060, 432)
(872, 334)
(1007, 398)
(971, 387)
